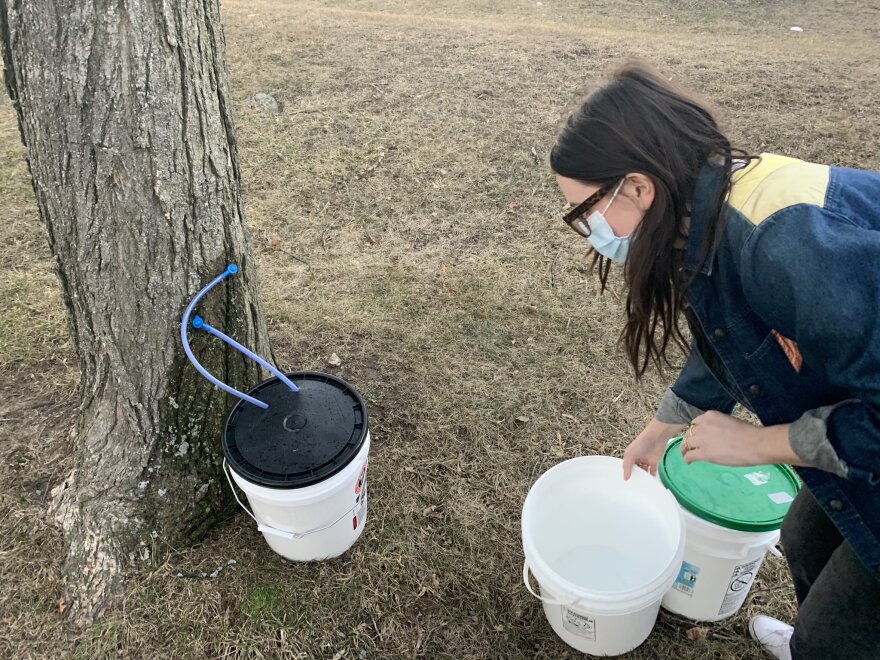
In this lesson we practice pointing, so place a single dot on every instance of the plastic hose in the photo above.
(231, 269)
(199, 323)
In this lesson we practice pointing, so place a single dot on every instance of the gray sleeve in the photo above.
(808, 436)
(675, 410)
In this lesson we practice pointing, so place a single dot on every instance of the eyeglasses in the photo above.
(573, 217)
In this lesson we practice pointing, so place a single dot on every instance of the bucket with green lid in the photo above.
(732, 517)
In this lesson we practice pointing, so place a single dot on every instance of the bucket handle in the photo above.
(274, 531)
(547, 601)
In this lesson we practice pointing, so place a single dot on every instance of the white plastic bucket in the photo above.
(315, 522)
(603, 550)
(717, 571)
(732, 515)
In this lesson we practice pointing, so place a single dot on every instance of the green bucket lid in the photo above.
(747, 499)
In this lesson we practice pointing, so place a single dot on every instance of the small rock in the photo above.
(522, 419)
(264, 102)
(334, 361)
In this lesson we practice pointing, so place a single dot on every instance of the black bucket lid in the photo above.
(302, 438)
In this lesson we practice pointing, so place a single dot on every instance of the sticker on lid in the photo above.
(758, 478)
(781, 498)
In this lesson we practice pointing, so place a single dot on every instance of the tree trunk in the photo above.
(124, 108)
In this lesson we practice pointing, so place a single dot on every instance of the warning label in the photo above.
(738, 587)
(362, 506)
(578, 624)
(687, 579)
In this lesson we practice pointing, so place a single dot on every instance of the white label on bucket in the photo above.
(758, 478)
(362, 507)
(738, 587)
(578, 624)
(687, 579)
(781, 498)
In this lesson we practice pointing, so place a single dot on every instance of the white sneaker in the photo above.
(773, 635)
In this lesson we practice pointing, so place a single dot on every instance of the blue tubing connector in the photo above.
(199, 324)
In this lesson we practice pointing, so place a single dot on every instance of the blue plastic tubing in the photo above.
(198, 323)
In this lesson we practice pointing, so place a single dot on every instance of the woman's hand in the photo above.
(647, 449)
(725, 440)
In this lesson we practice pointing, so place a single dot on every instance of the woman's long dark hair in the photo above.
(640, 122)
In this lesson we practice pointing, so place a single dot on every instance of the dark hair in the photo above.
(640, 122)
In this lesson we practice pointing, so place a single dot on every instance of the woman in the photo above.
(774, 265)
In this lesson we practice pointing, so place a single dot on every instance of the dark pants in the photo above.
(838, 598)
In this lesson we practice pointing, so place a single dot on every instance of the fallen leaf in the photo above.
(697, 634)
(62, 605)
(334, 360)
(513, 207)
(274, 242)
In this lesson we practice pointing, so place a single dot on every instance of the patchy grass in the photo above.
(264, 603)
(404, 218)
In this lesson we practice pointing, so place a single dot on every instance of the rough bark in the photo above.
(124, 109)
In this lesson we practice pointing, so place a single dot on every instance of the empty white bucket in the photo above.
(732, 516)
(603, 550)
(302, 463)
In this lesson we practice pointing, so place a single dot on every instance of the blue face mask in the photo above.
(602, 237)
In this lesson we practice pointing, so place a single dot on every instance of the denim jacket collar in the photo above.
(709, 180)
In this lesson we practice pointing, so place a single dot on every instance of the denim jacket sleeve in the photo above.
(814, 276)
(695, 391)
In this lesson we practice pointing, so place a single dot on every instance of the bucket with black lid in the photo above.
(297, 446)
(302, 463)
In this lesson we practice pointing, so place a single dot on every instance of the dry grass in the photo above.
(402, 221)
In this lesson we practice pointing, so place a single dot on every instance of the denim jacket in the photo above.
(785, 315)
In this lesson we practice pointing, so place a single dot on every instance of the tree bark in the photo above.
(124, 108)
